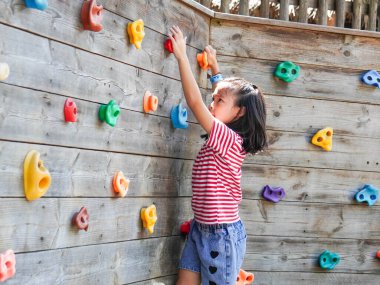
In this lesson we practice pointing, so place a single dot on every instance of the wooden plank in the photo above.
(257, 41)
(244, 7)
(133, 133)
(160, 15)
(75, 172)
(302, 11)
(373, 15)
(155, 136)
(112, 42)
(113, 263)
(284, 10)
(314, 82)
(263, 218)
(80, 74)
(294, 25)
(299, 278)
(357, 18)
(46, 223)
(322, 10)
(264, 9)
(340, 13)
(302, 254)
(199, 7)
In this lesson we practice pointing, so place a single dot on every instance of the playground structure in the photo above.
(51, 59)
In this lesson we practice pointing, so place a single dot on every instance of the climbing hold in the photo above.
(169, 45)
(244, 278)
(378, 254)
(4, 71)
(179, 117)
(287, 71)
(371, 77)
(109, 113)
(185, 227)
(367, 193)
(323, 138)
(120, 184)
(36, 177)
(36, 4)
(91, 16)
(70, 110)
(273, 194)
(202, 60)
(150, 102)
(136, 32)
(328, 260)
(81, 219)
(7, 265)
(149, 217)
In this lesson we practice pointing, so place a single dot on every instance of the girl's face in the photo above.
(223, 105)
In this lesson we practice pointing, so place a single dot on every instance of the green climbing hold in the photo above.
(287, 71)
(109, 113)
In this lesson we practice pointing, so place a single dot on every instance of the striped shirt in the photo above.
(216, 177)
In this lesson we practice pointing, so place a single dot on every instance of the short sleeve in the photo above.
(221, 138)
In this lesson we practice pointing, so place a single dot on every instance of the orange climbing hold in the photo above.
(120, 184)
(136, 32)
(244, 278)
(37, 178)
(202, 60)
(323, 138)
(92, 16)
(149, 217)
(150, 102)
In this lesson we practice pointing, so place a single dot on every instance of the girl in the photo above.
(235, 126)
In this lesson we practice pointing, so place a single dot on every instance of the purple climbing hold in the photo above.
(273, 194)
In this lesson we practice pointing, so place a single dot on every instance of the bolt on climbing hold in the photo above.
(150, 102)
(4, 71)
(136, 33)
(7, 265)
(328, 260)
(81, 219)
(185, 227)
(169, 45)
(287, 71)
(367, 193)
(274, 194)
(36, 4)
(37, 178)
(202, 60)
(244, 278)
(91, 16)
(371, 77)
(70, 110)
(109, 113)
(323, 138)
(120, 184)
(179, 117)
(149, 217)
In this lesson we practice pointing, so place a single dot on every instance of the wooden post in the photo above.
(206, 3)
(357, 16)
(284, 10)
(372, 15)
(244, 7)
(264, 9)
(225, 6)
(322, 12)
(302, 11)
(340, 13)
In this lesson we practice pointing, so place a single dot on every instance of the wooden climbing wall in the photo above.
(51, 58)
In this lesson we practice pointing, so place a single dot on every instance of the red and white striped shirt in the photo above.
(216, 177)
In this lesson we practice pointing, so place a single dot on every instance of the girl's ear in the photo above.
(241, 112)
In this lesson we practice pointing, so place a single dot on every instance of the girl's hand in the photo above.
(211, 58)
(178, 42)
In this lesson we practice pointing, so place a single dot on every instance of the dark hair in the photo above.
(251, 126)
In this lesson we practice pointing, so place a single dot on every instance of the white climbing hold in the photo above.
(4, 71)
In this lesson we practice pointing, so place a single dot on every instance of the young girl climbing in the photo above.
(235, 126)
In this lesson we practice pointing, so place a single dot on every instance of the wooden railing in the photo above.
(355, 14)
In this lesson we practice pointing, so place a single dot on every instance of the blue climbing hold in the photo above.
(367, 193)
(371, 77)
(328, 260)
(36, 4)
(179, 117)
